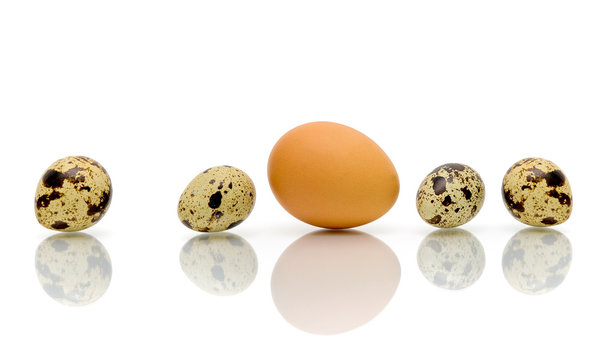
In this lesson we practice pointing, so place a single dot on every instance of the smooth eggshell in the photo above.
(332, 176)
(450, 196)
(73, 194)
(218, 199)
(536, 192)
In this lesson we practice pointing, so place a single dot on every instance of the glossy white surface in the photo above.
(158, 91)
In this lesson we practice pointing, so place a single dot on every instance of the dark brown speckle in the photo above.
(439, 185)
(59, 225)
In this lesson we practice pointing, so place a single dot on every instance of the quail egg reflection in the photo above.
(73, 268)
(329, 282)
(219, 263)
(537, 260)
(451, 258)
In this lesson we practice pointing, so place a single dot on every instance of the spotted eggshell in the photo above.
(537, 192)
(73, 194)
(218, 199)
(450, 196)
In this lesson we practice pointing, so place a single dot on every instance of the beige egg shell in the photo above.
(450, 196)
(73, 194)
(536, 192)
(218, 199)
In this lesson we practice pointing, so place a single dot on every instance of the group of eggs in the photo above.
(323, 173)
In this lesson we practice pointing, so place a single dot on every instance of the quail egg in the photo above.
(218, 199)
(73, 194)
(450, 196)
(537, 192)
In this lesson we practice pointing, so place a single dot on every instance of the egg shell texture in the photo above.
(536, 192)
(333, 176)
(450, 196)
(218, 199)
(73, 194)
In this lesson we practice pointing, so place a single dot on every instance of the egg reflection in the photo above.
(328, 282)
(219, 263)
(73, 268)
(536, 261)
(451, 258)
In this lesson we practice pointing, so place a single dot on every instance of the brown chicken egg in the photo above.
(330, 175)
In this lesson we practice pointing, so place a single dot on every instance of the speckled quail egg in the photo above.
(451, 258)
(536, 261)
(220, 264)
(73, 268)
(218, 199)
(73, 194)
(536, 192)
(450, 196)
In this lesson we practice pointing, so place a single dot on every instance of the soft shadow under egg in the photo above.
(219, 263)
(329, 282)
(73, 268)
(536, 260)
(451, 258)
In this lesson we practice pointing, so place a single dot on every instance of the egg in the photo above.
(220, 264)
(451, 195)
(73, 268)
(537, 192)
(218, 199)
(536, 260)
(451, 258)
(73, 194)
(332, 176)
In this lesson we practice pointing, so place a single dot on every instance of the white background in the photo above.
(157, 91)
